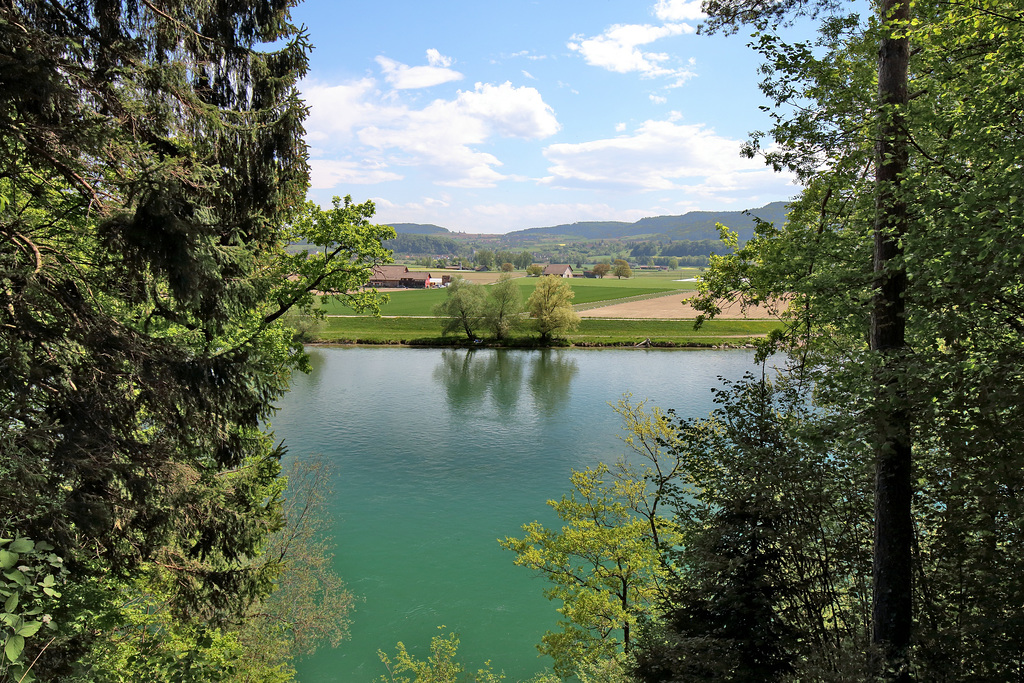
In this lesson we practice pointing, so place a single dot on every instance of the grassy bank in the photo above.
(592, 332)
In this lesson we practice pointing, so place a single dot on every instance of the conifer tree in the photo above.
(151, 170)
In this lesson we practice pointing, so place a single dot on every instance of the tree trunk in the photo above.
(892, 571)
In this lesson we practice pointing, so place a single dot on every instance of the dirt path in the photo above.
(672, 306)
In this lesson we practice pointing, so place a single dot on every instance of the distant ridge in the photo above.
(419, 229)
(695, 225)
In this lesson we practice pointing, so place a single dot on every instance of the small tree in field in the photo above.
(601, 269)
(550, 306)
(507, 267)
(534, 269)
(463, 309)
(622, 269)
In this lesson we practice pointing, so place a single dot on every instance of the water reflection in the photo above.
(470, 377)
(551, 376)
(317, 363)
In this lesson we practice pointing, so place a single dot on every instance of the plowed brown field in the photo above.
(672, 306)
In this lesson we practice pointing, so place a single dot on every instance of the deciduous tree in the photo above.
(523, 260)
(878, 321)
(607, 564)
(550, 306)
(463, 308)
(504, 307)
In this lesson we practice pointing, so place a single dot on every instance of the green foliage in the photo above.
(592, 331)
(601, 269)
(534, 270)
(621, 269)
(309, 608)
(771, 574)
(550, 305)
(607, 563)
(440, 666)
(503, 308)
(349, 247)
(31, 576)
(958, 378)
(433, 245)
(153, 172)
(484, 257)
(463, 308)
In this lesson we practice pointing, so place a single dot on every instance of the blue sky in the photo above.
(488, 117)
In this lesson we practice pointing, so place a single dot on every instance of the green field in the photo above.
(420, 302)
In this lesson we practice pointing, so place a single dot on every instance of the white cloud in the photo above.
(336, 110)
(329, 173)
(618, 48)
(619, 127)
(510, 111)
(665, 155)
(405, 77)
(679, 10)
(435, 58)
(527, 74)
(658, 99)
(357, 120)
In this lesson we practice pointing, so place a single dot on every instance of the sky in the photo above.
(489, 117)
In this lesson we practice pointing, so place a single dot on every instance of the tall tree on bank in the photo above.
(150, 155)
(892, 573)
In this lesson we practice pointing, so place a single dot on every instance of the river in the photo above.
(436, 453)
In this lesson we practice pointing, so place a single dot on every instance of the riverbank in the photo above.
(592, 333)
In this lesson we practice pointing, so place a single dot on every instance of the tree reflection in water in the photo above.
(471, 376)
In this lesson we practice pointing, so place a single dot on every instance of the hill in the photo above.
(419, 229)
(695, 225)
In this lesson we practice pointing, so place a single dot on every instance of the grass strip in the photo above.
(592, 332)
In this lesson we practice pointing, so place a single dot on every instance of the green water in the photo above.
(436, 454)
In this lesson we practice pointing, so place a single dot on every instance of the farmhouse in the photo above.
(559, 269)
(401, 276)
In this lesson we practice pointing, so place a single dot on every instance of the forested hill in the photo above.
(695, 225)
(419, 229)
